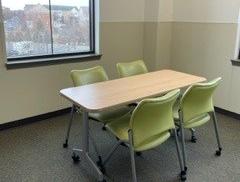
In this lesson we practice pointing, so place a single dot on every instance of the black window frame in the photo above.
(92, 50)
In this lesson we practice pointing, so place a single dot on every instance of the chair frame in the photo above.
(212, 114)
(74, 109)
(215, 122)
(129, 142)
(130, 146)
(65, 145)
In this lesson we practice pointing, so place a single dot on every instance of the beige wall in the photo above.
(122, 10)
(158, 10)
(215, 11)
(158, 32)
(165, 33)
(124, 36)
(32, 91)
(204, 40)
(157, 44)
(199, 37)
(206, 49)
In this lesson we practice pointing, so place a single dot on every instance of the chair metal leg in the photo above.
(132, 153)
(193, 137)
(219, 151)
(109, 155)
(104, 128)
(183, 141)
(65, 145)
(183, 172)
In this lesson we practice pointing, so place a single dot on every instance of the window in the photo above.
(48, 28)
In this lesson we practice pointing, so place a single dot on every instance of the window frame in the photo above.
(64, 56)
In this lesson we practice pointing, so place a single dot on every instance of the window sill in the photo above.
(51, 61)
(235, 62)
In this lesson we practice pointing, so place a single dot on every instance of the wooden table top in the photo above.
(103, 95)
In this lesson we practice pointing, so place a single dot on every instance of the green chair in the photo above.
(195, 109)
(176, 117)
(90, 76)
(147, 127)
(131, 68)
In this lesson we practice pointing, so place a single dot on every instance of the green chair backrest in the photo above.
(198, 100)
(153, 117)
(131, 68)
(88, 76)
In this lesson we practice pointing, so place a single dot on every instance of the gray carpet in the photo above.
(34, 153)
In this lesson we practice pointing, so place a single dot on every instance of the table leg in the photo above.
(85, 149)
(85, 132)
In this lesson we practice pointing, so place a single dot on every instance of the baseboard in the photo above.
(227, 113)
(34, 119)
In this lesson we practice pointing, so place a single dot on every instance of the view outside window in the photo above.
(70, 27)
(43, 27)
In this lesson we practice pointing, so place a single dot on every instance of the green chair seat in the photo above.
(120, 127)
(153, 141)
(111, 114)
(197, 121)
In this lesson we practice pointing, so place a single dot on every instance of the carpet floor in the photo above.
(34, 153)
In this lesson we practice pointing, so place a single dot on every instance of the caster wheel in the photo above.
(104, 128)
(183, 173)
(183, 176)
(103, 181)
(65, 145)
(139, 153)
(185, 169)
(194, 139)
(75, 158)
(218, 152)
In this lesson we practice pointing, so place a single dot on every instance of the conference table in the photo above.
(105, 95)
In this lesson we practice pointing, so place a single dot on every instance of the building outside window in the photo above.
(48, 28)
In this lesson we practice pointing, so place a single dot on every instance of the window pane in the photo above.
(27, 27)
(70, 24)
